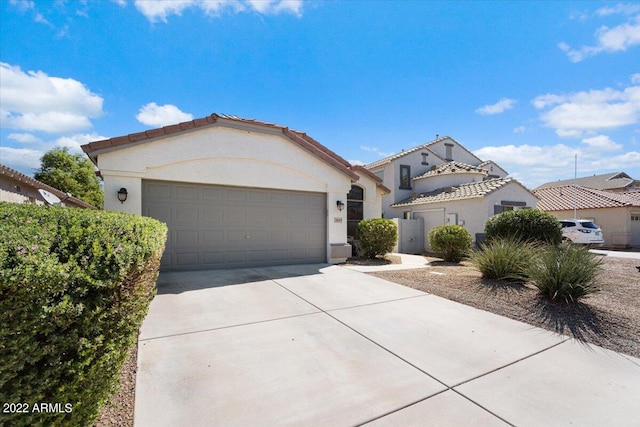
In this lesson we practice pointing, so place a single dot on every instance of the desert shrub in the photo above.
(504, 259)
(530, 225)
(75, 286)
(450, 242)
(565, 272)
(377, 236)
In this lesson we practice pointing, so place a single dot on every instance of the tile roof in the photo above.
(608, 181)
(561, 198)
(424, 146)
(451, 167)
(18, 176)
(464, 191)
(93, 149)
(404, 153)
(373, 176)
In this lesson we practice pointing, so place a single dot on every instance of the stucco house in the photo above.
(618, 214)
(237, 192)
(16, 187)
(441, 182)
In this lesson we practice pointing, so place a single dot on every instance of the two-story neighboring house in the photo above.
(444, 183)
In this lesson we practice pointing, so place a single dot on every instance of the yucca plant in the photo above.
(504, 258)
(566, 272)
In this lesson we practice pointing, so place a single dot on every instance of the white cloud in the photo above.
(160, 10)
(499, 107)
(635, 78)
(24, 159)
(356, 162)
(616, 39)
(73, 142)
(535, 165)
(375, 150)
(602, 142)
(152, 114)
(28, 158)
(24, 138)
(573, 114)
(519, 129)
(625, 9)
(22, 5)
(34, 101)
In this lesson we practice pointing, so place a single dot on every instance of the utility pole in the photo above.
(575, 187)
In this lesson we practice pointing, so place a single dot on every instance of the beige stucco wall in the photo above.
(372, 205)
(614, 222)
(458, 153)
(225, 156)
(472, 214)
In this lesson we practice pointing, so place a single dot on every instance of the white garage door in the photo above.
(227, 227)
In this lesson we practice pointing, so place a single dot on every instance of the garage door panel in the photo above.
(185, 215)
(222, 227)
(188, 193)
(212, 194)
(186, 237)
(212, 258)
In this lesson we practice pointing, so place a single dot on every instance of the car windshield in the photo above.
(588, 224)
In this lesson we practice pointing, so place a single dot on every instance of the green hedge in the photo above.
(450, 242)
(377, 236)
(529, 225)
(75, 286)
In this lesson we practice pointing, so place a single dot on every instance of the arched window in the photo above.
(355, 209)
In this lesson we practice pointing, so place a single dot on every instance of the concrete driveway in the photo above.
(319, 345)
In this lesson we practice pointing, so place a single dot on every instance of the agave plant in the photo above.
(566, 272)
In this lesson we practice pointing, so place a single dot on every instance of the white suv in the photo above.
(581, 231)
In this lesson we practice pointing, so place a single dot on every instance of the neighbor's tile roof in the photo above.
(20, 177)
(606, 181)
(464, 191)
(562, 198)
(451, 167)
(93, 149)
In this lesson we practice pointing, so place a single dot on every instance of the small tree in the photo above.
(377, 236)
(451, 242)
(528, 225)
(71, 173)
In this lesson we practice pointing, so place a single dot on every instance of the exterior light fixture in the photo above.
(122, 195)
(340, 205)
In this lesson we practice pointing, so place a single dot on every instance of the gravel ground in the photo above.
(119, 410)
(610, 318)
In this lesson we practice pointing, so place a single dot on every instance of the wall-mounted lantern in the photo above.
(340, 205)
(122, 195)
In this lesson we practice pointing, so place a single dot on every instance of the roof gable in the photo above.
(301, 139)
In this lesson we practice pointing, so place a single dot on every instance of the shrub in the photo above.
(75, 286)
(565, 272)
(504, 259)
(530, 225)
(377, 236)
(451, 242)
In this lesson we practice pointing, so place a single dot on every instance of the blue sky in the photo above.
(526, 84)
